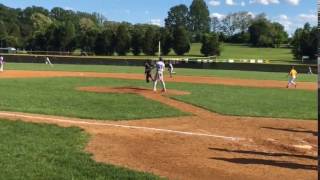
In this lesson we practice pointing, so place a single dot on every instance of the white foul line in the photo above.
(124, 126)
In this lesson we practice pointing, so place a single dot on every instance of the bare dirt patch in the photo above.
(266, 148)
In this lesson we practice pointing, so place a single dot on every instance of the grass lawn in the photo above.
(180, 71)
(240, 51)
(229, 51)
(243, 101)
(40, 151)
(56, 96)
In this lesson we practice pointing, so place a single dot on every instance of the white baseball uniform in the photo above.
(1, 63)
(160, 66)
(48, 61)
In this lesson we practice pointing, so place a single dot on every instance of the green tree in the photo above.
(199, 17)
(279, 35)
(181, 42)
(3, 34)
(166, 41)
(87, 39)
(137, 40)
(210, 45)
(215, 24)
(41, 22)
(105, 43)
(68, 42)
(260, 33)
(151, 40)
(123, 40)
(178, 16)
(305, 42)
(11, 41)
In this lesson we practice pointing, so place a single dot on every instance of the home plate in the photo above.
(303, 146)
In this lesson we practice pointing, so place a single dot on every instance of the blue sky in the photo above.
(290, 13)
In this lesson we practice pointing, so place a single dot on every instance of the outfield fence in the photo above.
(196, 63)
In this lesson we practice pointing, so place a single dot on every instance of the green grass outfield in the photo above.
(41, 151)
(180, 71)
(56, 96)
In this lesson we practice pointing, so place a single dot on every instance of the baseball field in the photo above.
(105, 122)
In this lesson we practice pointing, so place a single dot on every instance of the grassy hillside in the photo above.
(229, 51)
(241, 51)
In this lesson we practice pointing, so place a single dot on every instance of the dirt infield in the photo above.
(187, 79)
(203, 146)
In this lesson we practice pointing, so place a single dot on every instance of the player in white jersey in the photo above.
(1, 63)
(160, 66)
(170, 69)
(47, 61)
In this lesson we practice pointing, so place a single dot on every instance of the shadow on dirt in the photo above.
(292, 130)
(265, 153)
(283, 164)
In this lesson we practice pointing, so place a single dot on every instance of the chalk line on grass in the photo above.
(230, 138)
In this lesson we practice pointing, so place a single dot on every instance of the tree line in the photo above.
(38, 29)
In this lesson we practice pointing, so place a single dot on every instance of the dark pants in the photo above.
(148, 76)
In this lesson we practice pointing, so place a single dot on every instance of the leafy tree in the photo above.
(3, 34)
(38, 42)
(68, 36)
(305, 42)
(279, 35)
(166, 41)
(242, 37)
(215, 24)
(87, 39)
(210, 45)
(199, 16)
(178, 16)
(123, 40)
(151, 40)
(260, 34)
(137, 40)
(86, 24)
(181, 42)
(105, 43)
(263, 33)
(235, 23)
(41, 22)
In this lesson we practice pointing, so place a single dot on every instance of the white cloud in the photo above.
(311, 18)
(155, 22)
(285, 21)
(214, 3)
(290, 24)
(252, 14)
(243, 4)
(283, 17)
(230, 2)
(217, 15)
(264, 2)
(293, 2)
(68, 8)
